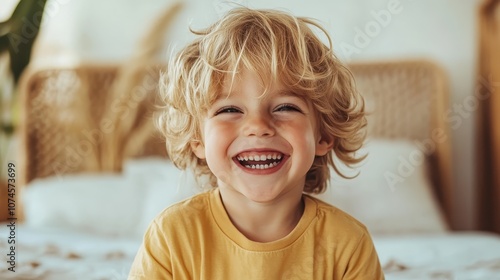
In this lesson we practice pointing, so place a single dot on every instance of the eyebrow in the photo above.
(279, 93)
(287, 92)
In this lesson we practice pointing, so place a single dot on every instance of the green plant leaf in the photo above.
(4, 43)
(21, 11)
(19, 32)
(5, 28)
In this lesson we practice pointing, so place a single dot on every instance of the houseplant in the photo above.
(17, 35)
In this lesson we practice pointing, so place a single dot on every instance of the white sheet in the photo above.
(62, 254)
(49, 253)
(453, 256)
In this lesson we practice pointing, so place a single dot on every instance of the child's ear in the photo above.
(198, 149)
(324, 146)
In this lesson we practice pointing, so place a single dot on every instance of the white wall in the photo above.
(76, 30)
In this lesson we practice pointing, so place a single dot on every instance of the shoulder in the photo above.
(339, 221)
(348, 238)
(192, 208)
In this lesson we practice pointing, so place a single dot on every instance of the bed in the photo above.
(84, 215)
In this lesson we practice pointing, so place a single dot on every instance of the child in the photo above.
(258, 105)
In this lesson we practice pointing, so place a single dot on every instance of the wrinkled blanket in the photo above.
(63, 254)
(453, 256)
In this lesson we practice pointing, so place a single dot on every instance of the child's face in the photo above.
(260, 147)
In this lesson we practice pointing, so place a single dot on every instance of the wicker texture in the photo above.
(66, 121)
(63, 131)
(398, 99)
(408, 100)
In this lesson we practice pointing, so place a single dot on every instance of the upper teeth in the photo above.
(260, 158)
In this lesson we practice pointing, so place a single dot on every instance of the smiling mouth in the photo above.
(260, 160)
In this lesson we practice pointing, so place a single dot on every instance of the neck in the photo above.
(263, 221)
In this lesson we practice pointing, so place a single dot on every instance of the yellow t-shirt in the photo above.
(195, 239)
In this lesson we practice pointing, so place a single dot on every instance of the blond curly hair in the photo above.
(278, 47)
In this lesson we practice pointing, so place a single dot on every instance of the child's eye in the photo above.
(287, 107)
(228, 109)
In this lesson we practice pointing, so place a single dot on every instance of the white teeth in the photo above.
(259, 158)
(262, 166)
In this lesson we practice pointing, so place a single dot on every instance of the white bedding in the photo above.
(58, 254)
(453, 256)
(62, 254)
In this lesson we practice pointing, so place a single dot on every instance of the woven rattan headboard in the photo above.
(68, 117)
(405, 100)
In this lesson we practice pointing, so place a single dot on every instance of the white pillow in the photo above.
(107, 204)
(392, 193)
(166, 185)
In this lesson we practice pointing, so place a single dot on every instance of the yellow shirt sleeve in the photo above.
(364, 263)
(153, 258)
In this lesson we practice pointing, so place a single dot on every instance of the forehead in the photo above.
(264, 85)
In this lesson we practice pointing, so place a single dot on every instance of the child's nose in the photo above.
(258, 125)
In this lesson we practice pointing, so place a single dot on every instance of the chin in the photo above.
(261, 196)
